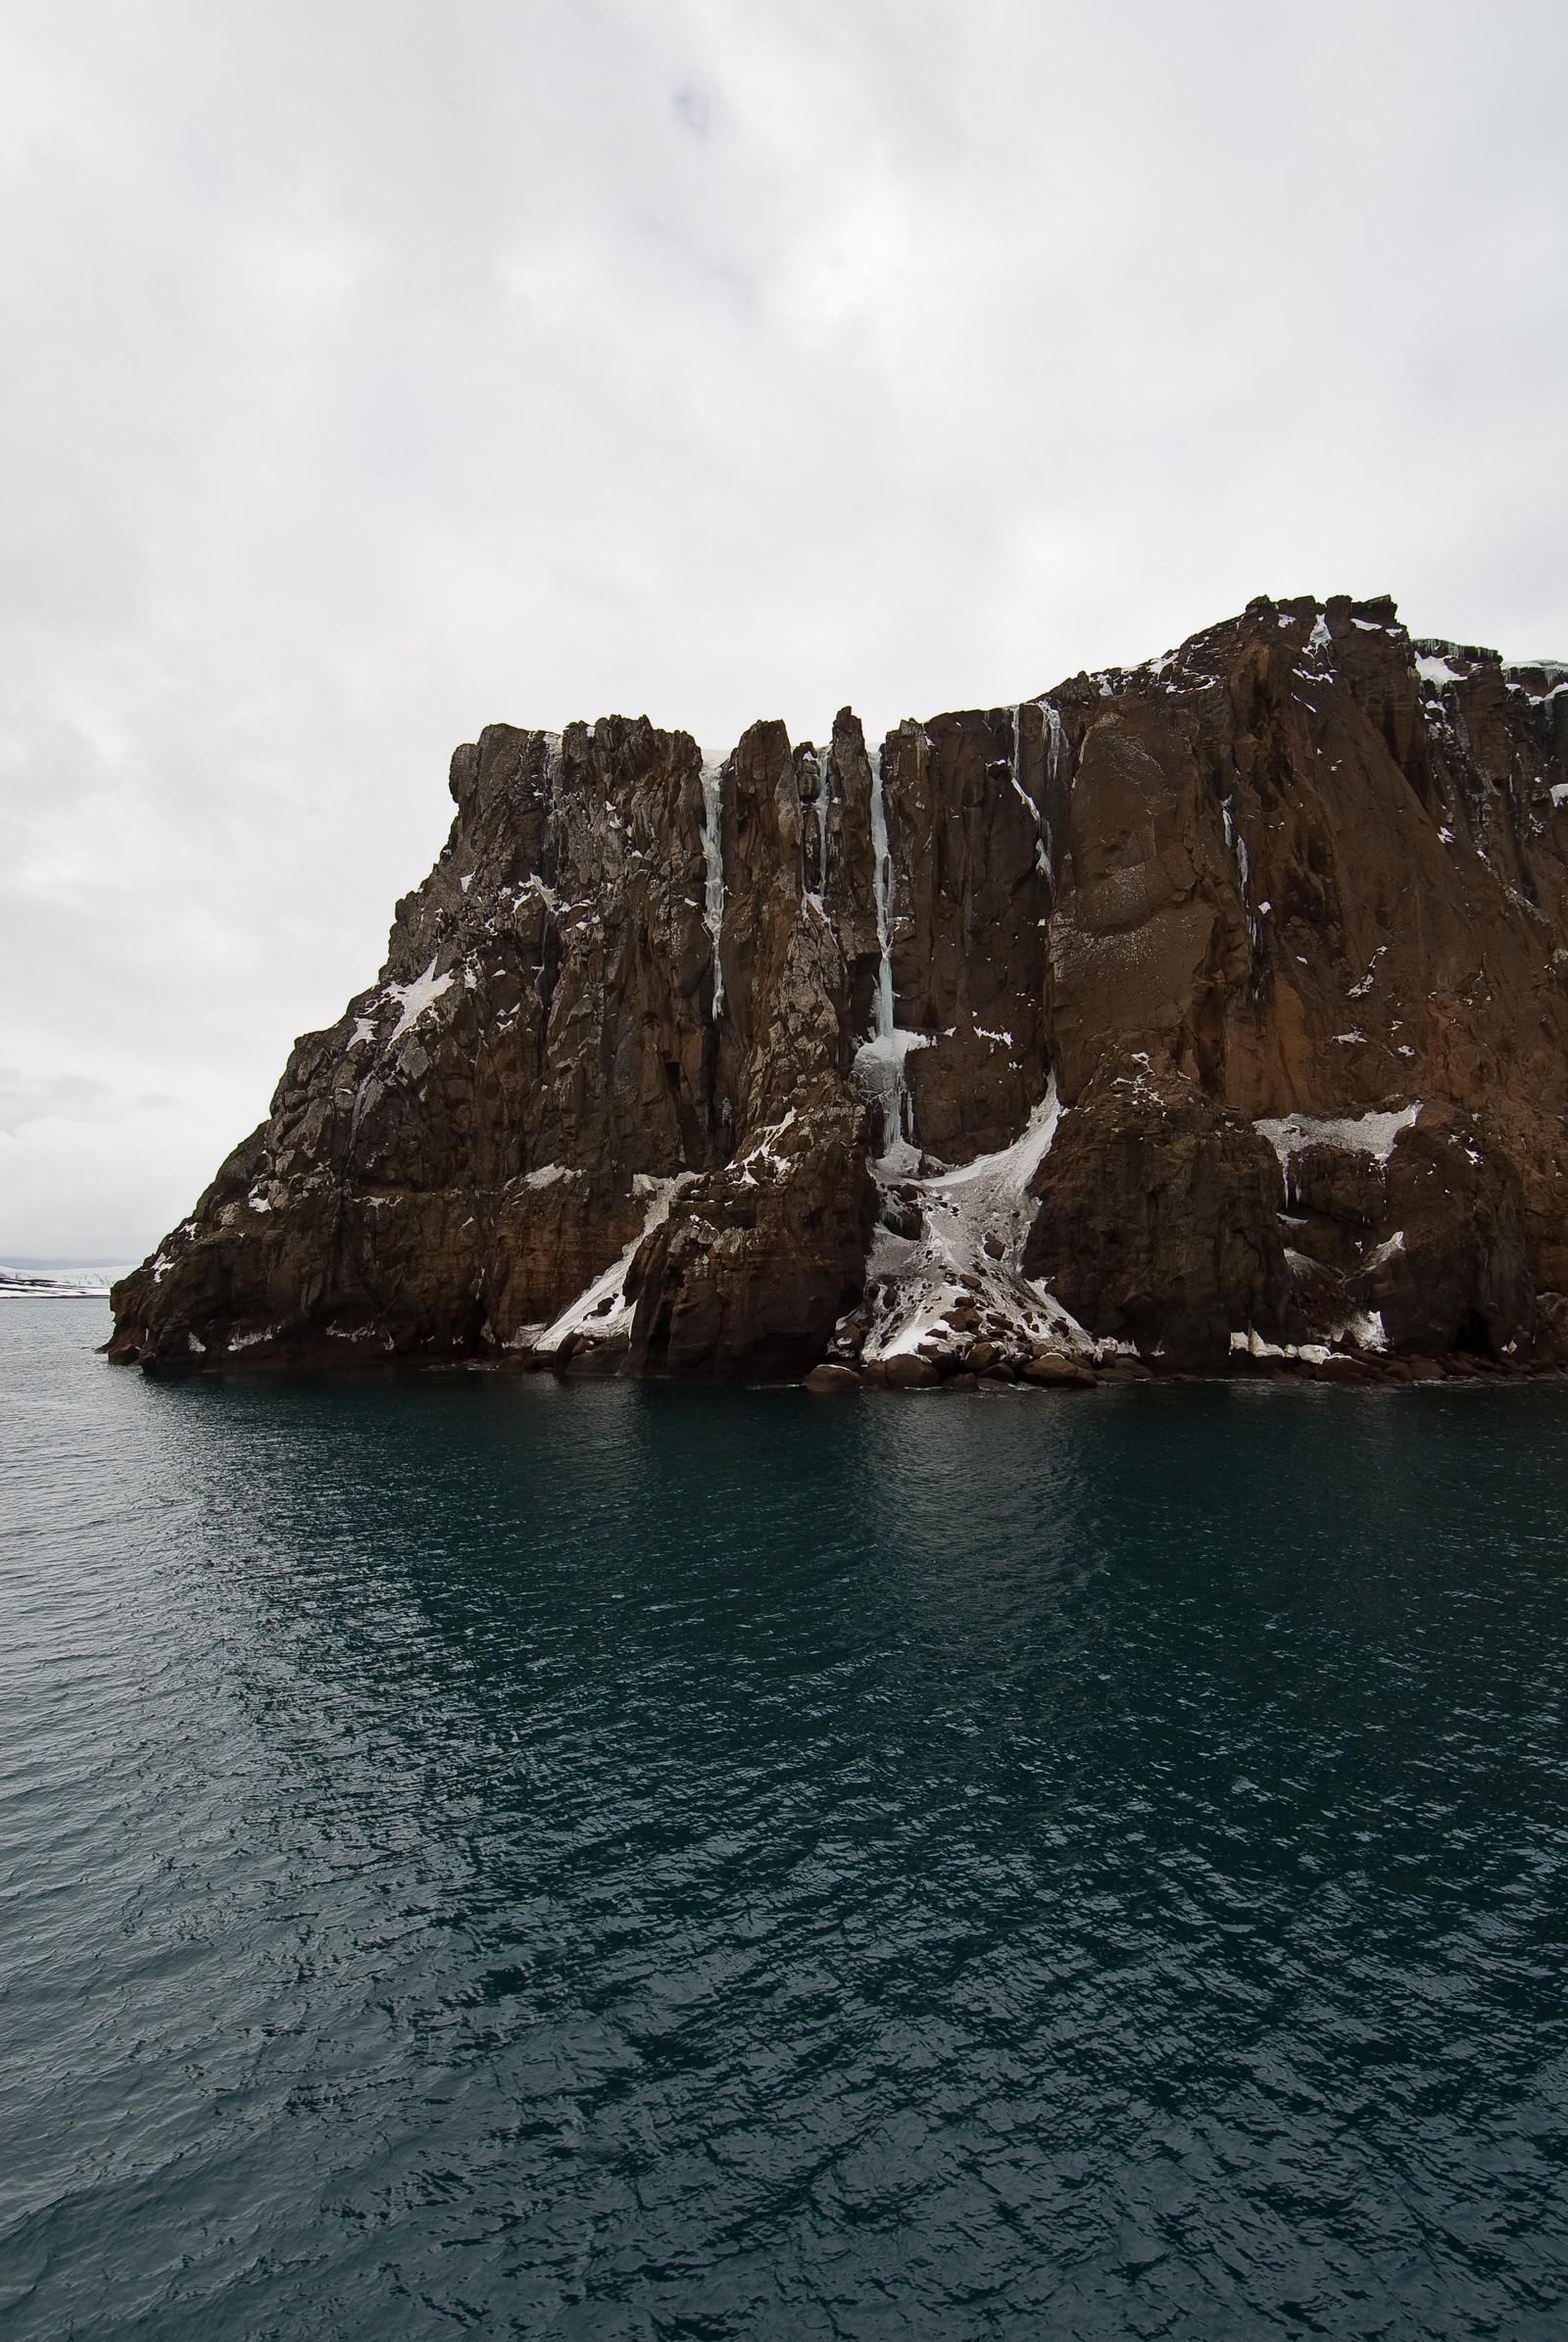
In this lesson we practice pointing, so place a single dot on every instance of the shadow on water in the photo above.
(617, 1860)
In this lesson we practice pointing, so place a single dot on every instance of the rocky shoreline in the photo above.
(1209, 1016)
(1052, 1370)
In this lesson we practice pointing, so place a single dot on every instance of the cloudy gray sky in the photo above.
(375, 369)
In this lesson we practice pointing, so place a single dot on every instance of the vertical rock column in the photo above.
(754, 1263)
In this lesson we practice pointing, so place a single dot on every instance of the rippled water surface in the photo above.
(603, 1860)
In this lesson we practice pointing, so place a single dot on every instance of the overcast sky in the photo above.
(377, 369)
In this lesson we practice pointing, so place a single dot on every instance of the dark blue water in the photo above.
(601, 1861)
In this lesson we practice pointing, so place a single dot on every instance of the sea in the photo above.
(501, 1857)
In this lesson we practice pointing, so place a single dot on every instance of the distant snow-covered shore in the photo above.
(59, 1284)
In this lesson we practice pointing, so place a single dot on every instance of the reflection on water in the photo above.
(624, 1862)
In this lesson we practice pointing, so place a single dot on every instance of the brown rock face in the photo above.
(1432, 1238)
(1160, 1220)
(1217, 1006)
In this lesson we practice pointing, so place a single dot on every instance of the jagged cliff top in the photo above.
(668, 1059)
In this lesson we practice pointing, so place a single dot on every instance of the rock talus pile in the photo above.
(1212, 1012)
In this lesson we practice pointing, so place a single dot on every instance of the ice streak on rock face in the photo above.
(1237, 845)
(1041, 843)
(713, 871)
(881, 875)
(879, 1062)
(1056, 756)
(820, 807)
(879, 1077)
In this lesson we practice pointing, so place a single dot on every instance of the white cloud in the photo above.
(379, 370)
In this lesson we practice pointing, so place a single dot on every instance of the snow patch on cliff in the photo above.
(967, 1259)
(1553, 676)
(546, 1175)
(764, 1152)
(1371, 1134)
(604, 1310)
(414, 999)
(250, 1342)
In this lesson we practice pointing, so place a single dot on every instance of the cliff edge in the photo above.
(1210, 1010)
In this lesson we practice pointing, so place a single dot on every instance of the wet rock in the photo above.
(832, 1378)
(1551, 1327)
(909, 1373)
(1051, 1370)
(593, 1358)
(901, 1217)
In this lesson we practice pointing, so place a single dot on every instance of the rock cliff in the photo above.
(1209, 1011)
